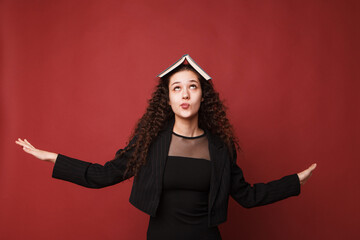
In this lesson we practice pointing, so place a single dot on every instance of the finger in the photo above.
(23, 143)
(29, 143)
(312, 167)
(19, 143)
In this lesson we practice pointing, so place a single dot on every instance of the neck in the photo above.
(187, 127)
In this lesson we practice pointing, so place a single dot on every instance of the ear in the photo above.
(202, 99)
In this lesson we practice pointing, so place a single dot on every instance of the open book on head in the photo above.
(190, 61)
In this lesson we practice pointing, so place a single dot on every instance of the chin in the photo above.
(186, 116)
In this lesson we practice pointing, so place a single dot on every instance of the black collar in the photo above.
(213, 139)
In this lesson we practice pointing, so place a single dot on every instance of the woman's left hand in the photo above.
(305, 175)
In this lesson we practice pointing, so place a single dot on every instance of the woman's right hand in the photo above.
(40, 154)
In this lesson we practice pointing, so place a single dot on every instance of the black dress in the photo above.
(183, 209)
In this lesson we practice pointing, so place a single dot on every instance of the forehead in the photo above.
(183, 77)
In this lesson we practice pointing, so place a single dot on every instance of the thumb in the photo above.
(312, 167)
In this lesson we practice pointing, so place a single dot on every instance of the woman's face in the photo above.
(185, 94)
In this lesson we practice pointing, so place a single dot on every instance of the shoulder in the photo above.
(214, 140)
(218, 143)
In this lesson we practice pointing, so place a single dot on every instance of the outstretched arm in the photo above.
(260, 194)
(80, 172)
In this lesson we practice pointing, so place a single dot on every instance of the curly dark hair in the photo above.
(212, 116)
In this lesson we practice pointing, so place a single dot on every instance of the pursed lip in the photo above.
(185, 105)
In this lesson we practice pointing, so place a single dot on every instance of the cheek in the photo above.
(172, 98)
(199, 98)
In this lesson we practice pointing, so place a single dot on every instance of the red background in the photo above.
(76, 75)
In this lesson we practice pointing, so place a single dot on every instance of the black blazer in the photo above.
(226, 178)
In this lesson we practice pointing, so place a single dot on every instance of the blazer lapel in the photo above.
(217, 150)
(162, 152)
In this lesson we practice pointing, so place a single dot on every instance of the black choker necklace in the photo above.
(188, 137)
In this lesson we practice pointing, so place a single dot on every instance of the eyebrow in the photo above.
(192, 80)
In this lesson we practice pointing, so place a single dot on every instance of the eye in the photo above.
(176, 88)
(193, 86)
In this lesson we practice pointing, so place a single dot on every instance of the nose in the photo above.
(185, 94)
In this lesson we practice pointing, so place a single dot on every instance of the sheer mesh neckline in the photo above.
(176, 134)
(189, 147)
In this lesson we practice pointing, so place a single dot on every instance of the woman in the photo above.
(182, 155)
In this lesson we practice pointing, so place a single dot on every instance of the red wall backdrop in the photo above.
(76, 75)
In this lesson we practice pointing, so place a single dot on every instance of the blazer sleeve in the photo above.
(92, 175)
(261, 193)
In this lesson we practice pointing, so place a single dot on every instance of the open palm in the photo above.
(40, 154)
(305, 175)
